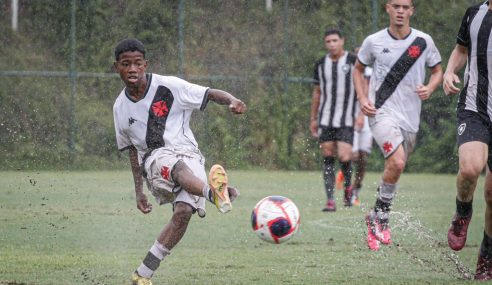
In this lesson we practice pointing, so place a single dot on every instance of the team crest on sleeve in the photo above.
(461, 129)
(414, 51)
(160, 108)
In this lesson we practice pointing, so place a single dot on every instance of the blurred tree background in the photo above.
(51, 120)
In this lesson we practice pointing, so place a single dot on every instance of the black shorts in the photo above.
(471, 127)
(344, 134)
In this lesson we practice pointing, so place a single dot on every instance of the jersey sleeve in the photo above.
(463, 37)
(316, 72)
(189, 95)
(433, 56)
(365, 52)
(351, 58)
(122, 140)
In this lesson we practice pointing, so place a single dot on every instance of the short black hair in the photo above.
(392, 0)
(128, 45)
(333, 31)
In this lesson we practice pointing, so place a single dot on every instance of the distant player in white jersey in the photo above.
(151, 117)
(399, 55)
(474, 127)
(332, 114)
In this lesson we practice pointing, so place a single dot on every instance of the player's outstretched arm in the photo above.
(360, 83)
(457, 60)
(236, 106)
(142, 203)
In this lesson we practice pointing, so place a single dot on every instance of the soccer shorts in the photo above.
(159, 166)
(344, 134)
(472, 127)
(362, 141)
(389, 136)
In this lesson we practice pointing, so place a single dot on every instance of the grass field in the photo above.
(83, 228)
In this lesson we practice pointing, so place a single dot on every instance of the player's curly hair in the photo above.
(128, 45)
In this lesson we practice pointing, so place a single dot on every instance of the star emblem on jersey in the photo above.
(387, 147)
(165, 172)
(160, 109)
(414, 51)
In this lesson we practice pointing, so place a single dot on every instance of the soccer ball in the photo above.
(275, 219)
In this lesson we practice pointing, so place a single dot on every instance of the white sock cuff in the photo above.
(387, 191)
(144, 271)
(206, 192)
(159, 250)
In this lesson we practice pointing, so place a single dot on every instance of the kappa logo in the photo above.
(385, 50)
(131, 121)
(461, 129)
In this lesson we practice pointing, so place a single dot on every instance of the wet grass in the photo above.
(83, 228)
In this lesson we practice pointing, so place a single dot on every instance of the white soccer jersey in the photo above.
(475, 34)
(398, 68)
(161, 118)
(337, 101)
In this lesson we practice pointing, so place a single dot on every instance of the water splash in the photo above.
(409, 225)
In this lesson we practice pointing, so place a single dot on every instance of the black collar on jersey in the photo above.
(396, 39)
(149, 80)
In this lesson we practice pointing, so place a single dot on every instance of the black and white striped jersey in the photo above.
(337, 101)
(161, 118)
(475, 34)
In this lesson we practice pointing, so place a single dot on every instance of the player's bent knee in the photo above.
(182, 214)
(397, 164)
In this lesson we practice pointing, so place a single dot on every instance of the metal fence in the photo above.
(282, 81)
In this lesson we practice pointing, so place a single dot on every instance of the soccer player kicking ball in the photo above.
(399, 55)
(474, 127)
(151, 117)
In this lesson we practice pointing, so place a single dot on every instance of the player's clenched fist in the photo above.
(237, 107)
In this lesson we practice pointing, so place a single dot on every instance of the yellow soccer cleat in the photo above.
(217, 179)
(139, 280)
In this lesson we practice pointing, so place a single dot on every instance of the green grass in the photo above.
(83, 228)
